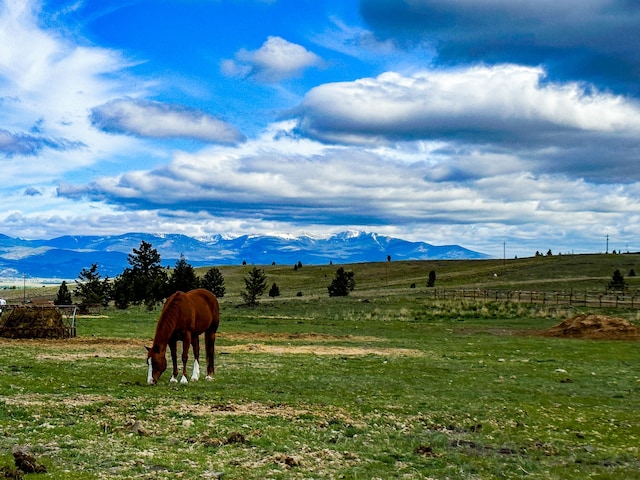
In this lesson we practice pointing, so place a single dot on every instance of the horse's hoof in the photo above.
(209, 378)
(195, 379)
(173, 380)
(184, 380)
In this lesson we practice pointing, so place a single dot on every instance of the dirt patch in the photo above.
(595, 327)
(283, 337)
(80, 343)
(255, 409)
(90, 347)
(39, 400)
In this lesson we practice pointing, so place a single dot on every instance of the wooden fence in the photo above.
(581, 299)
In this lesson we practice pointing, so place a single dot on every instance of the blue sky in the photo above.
(481, 123)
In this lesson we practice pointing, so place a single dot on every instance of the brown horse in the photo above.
(184, 317)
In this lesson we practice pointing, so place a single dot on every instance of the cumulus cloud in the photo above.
(576, 39)
(159, 120)
(301, 183)
(276, 60)
(491, 108)
(506, 99)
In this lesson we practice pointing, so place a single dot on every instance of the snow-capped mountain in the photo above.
(65, 257)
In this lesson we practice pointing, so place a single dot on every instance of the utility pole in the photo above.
(607, 250)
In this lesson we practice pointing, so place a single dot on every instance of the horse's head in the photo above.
(157, 362)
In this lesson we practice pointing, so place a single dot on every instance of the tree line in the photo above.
(143, 282)
(146, 282)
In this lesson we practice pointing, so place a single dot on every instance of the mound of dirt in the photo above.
(595, 327)
(24, 322)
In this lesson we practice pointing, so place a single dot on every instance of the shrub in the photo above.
(342, 284)
(617, 281)
(275, 290)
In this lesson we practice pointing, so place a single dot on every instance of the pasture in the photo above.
(385, 383)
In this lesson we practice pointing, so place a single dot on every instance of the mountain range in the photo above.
(65, 257)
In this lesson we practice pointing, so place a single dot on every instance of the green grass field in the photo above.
(386, 383)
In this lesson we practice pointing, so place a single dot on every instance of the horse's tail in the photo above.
(210, 335)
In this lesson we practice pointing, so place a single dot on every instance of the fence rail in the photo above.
(580, 299)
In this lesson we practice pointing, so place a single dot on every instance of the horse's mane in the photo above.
(168, 320)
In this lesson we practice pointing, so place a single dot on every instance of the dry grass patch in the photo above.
(315, 345)
(319, 350)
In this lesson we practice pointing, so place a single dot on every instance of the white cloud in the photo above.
(297, 185)
(504, 110)
(47, 86)
(158, 120)
(472, 103)
(276, 60)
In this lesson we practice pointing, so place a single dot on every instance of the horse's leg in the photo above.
(195, 343)
(210, 344)
(173, 347)
(185, 356)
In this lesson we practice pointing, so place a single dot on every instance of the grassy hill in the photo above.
(549, 273)
(553, 273)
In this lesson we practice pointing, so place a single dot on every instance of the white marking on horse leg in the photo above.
(209, 377)
(195, 376)
(173, 380)
(184, 380)
(150, 374)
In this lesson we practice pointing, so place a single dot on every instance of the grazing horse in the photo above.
(184, 317)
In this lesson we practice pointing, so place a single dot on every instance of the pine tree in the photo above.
(93, 289)
(144, 282)
(214, 282)
(64, 295)
(617, 281)
(255, 286)
(342, 284)
(275, 290)
(183, 278)
(121, 290)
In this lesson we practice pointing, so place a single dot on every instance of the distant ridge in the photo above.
(64, 257)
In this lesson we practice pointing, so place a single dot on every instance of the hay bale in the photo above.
(26, 322)
(595, 327)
